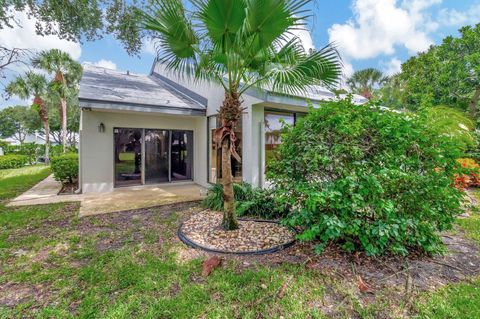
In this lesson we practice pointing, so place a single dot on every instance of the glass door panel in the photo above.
(181, 155)
(128, 156)
(156, 156)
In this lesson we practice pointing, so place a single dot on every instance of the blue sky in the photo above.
(368, 33)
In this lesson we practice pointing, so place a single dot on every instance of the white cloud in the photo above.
(453, 17)
(378, 26)
(104, 64)
(304, 36)
(392, 67)
(25, 37)
(149, 46)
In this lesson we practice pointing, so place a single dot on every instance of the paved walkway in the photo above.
(125, 198)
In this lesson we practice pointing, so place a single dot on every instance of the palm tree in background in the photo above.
(33, 84)
(67, 75)
(364, 82)
(239, 44)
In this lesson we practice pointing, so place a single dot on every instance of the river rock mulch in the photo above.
(203, 228)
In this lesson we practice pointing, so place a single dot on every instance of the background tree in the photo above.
(67, 74)
(238, 44)
(80, 20)
(17, 122)
(33, 84)
(364, 82)
(446, 74)
(390, 94)
(73, 119)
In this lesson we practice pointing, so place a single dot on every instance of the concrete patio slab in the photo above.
(125, 198)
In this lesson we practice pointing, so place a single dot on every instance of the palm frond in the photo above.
(178, 40)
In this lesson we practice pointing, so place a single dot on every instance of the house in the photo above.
(158, 128)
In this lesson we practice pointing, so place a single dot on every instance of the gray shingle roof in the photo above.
(101, 86)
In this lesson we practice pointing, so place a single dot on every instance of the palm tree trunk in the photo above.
(43, 113)
(63, 115)
(229, 221)
(47, 141)
(230, 113)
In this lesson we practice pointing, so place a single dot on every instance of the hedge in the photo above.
(13, 161)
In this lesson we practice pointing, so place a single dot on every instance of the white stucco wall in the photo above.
(97, 149)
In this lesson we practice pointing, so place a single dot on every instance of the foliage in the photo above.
(239, 45)
(446, 74)
(31, 150)
(253, 202)
(33, 84)
(65, 168)
(365, 81)
(57, 150)
(80, 20)
(452, 123)
(366, 178)
(64, 86)
(17, 122)
(13, 161)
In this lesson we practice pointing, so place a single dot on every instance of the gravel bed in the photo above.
(204, 230)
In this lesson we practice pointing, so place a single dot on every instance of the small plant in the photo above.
(250, 201)
(65, 168)
(367, 179)
(13, 161)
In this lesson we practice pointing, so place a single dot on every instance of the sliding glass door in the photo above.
(156, 156)
(181, 155)
(151, 156)
(128, 156)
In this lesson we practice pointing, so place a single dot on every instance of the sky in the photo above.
(368, 33)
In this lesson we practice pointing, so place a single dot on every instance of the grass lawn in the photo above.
(124, 265)
(13, 182)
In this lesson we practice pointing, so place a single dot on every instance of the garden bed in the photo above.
(202, 230)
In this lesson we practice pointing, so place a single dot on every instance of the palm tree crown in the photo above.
(67, 73)
(239, 44)
(365, 81)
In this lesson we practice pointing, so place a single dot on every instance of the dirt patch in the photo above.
(68, 189)
(13, 294)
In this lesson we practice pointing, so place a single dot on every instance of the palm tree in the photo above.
(33, 84)
(239, 44)
(67, 74)
(363, 82)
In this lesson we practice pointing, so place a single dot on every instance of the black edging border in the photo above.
(274, 249)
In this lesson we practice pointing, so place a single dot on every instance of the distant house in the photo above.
(29, 138)
(157, 128)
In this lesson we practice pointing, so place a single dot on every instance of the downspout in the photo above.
(261, 151)
(79, 190)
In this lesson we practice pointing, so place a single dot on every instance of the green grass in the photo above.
(111, 266)
(456, 301)
(13, 182)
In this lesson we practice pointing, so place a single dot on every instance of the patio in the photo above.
(125, 198)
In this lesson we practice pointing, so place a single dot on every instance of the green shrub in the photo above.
(366, 178)
(65, 168)
(30, 150)
(13, 161)
(249, 201)
(57, 150)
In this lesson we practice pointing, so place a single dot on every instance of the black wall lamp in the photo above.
(101, 128)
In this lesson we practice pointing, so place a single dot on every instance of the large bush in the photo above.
(13, 161)
(65, 168)
(31, 150)
(366, 178)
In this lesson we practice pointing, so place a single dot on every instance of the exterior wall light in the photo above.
(101, 128)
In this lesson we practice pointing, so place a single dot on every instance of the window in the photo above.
(215, 153)
(273, 127)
